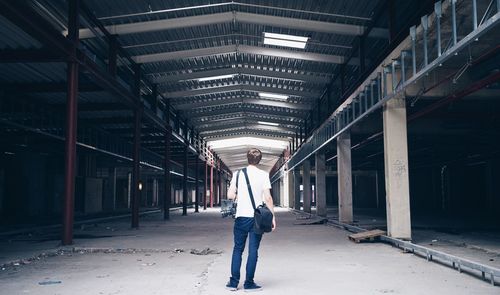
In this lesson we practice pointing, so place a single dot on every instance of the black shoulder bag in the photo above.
(262, 215)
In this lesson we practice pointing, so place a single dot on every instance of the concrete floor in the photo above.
(475, 239)
(110, 258)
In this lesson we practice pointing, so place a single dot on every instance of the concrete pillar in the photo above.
(288, 194)
(282, 194)
(320, 187)
(396, 169)
(296, 188)
(344, 177)
(306, 183)
(111, 197)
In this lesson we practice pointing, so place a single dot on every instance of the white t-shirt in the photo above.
(259, 181)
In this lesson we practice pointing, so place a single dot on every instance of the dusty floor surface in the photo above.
(110, 258)
(474, 239)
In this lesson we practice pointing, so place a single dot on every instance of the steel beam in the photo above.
(241, 87)
(233, 49)
(256, 101)
(71, 128)
(253, 70)
(208, 131)
(253, 123)
(286, 113)
(238, 17)
(249, 117)
(248, 131)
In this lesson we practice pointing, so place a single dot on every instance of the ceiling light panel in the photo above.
(285, 40)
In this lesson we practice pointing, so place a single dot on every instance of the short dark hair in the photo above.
(254, 156)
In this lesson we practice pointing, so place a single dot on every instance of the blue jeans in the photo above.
(243, 227)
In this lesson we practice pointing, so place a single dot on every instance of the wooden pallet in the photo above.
(370, 235)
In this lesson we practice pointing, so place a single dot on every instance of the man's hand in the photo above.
(274, 223)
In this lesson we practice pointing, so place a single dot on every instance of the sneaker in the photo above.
(253, 287)
(231, 286)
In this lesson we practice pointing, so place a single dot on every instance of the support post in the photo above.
(196, 184)
(219, 176)
(136, 169)
(167, 196)
(296, 188)
(320, 187)
(205, 186)
(212, 186)
(396, 169)
(71, 128)
(344, 177)
(184, 180)
(290, 189)
(306, 185)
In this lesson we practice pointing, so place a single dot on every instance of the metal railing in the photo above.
(392, 77)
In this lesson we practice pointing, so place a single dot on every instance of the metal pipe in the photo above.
(184, 180)
(71, 129)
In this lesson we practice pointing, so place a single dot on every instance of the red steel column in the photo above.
(71, 129)
(211, 186)
(220, 185)
(196, 184)
(205, 186)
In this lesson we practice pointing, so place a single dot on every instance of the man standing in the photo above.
(244, 223)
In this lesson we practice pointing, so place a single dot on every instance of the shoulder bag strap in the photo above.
(237, 180)
(249, 187)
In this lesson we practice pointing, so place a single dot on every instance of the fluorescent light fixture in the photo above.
(285, 40)
(216, 77)
(268, 123)
(273, 95)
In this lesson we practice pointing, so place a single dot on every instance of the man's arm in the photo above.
(268, 199)
(231, 192)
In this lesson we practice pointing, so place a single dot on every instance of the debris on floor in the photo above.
(46, 283)
(206, 251)
(370, 235)
(312, 221)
